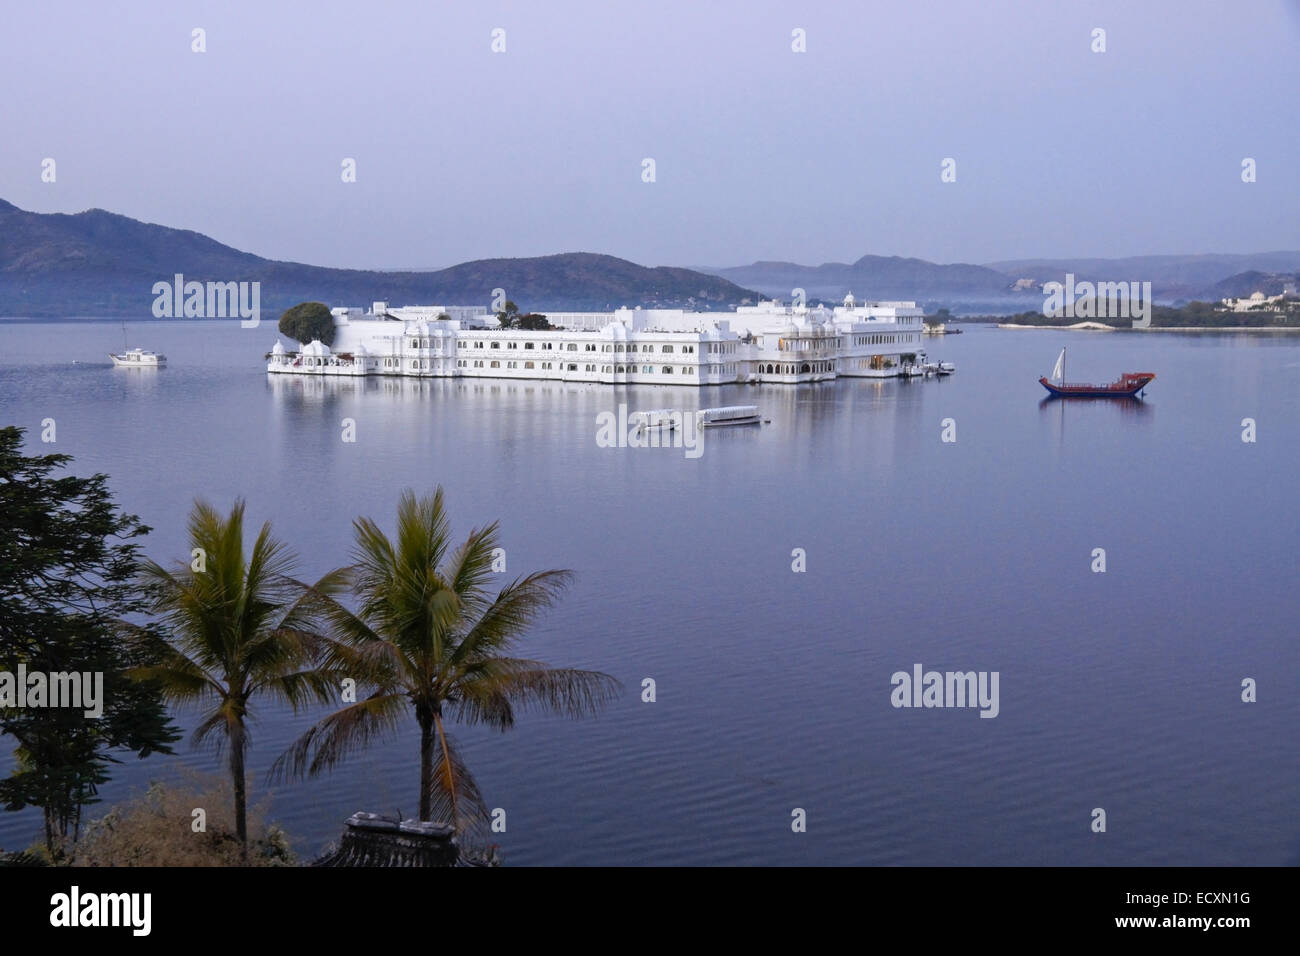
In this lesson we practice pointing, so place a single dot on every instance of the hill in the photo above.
(874, 277)
(100, 263)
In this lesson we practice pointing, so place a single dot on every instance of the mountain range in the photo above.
(1016, 285)
(98, 263)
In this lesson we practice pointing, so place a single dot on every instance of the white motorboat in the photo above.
(668, 418)
(138, 358)
(727, 415)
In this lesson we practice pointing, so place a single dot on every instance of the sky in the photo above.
(760, 152)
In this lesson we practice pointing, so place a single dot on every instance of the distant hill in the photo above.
(1171, 277)
(872, 277)
(1244, 283)
(992, 286)
(100, 263)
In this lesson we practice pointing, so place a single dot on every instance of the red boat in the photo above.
(1126, 386)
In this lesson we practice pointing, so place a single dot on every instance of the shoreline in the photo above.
(1098, 327)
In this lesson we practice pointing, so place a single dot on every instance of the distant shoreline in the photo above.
(1099, 327)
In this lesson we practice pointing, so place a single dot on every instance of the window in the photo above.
(573, 347)
(496, 345)
(528, 365)
(668, 370)
(495, 365)
(667, 348)
(528, 345)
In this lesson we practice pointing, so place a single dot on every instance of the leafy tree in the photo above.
(432, 640)
(67, 561)
(307, 321)
(533, 322)
(236, 629)
(509, 315)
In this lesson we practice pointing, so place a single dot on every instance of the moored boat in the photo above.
(1128, 385)
(138, 358)
(668, 418)
(135, 358)
(727, 415)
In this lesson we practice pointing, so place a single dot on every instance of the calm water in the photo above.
(1118, 690)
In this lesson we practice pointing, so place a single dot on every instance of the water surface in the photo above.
(1118, 690)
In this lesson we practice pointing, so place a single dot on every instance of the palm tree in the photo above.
(235, 629)
(432, 640)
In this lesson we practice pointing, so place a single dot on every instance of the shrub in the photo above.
(157, 830)
(308, 320)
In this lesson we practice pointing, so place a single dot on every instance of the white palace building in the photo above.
(768, 343)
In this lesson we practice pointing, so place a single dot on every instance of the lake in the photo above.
(1118, 690)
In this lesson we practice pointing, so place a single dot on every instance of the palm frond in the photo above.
(491, 690)
(504, 621)
(456, 798)
(334, 738)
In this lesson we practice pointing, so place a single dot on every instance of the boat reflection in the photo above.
(1127, 406)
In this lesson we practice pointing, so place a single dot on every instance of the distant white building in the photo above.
(1254, 300)
(768, 342)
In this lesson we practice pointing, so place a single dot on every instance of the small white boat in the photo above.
(946, 368)
(911, 371)
(138, 358)
(668, 418)
(727, 415)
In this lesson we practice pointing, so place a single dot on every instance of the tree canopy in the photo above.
(67, 563)
(307, 321)
(432, 640)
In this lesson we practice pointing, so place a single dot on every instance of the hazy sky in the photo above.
(760, 152)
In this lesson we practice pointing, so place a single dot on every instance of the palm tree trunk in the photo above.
(238, 779)
(427, 741)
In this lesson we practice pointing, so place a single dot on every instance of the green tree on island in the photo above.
(237, 628)
(511, 318)
(432, 640)
(67, 564)
(508, 314)
(307, 321)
